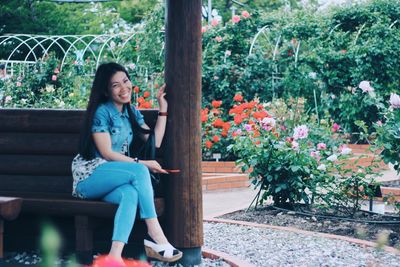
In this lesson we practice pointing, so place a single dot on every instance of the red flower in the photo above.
(107, 261)
(136, 89)
(224, 134)
(226, 126)
(156, 85)
(236, 109)
(216, 138)
(238, 119)
(215, 111)
(146, 104)
(146, 94)
(238, 98)
(140, 100)
(209, 144)
(216, 104)
(204, 118)
(218, 123)
(289, 139)
(260, 114)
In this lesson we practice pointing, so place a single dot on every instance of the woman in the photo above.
(103, 169)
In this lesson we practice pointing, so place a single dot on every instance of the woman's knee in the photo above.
(124, 193)
(129, 193)
(139, 169)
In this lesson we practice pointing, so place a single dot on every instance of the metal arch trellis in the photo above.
(263, 33)
(38, 46)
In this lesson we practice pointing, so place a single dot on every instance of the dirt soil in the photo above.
(361, 230)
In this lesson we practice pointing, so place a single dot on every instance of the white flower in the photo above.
(332, 158)
(23, 101)
(228, 53)
(8, 99)
(321, 167)
(312, 75)
(345, 150)
(394, 100)
(50, 88)
(366, 87)
(300, 132)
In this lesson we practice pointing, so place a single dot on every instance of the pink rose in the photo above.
(268, 123)
(56, 70)
(214, 22)
(235, 19)
(203, 29)
(335, 127)
(245, 14)
(218, 39)
(19, 84)
(315, 154)
(54, 78)
(295, 145)
(300, 132)
(321, 146)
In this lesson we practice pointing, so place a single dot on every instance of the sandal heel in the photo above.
(156, 251)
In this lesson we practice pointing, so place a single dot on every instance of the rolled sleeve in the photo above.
(100, 121)
(138, 115)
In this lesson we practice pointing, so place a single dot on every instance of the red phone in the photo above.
(173, 171)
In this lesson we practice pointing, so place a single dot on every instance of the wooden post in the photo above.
(183, 135)
(84, 239)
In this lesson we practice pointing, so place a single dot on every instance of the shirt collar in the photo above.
(114, 111)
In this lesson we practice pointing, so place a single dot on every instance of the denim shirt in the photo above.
(109, 119)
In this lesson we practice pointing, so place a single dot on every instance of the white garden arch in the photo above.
(37, 47)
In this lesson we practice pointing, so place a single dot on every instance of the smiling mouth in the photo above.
(124, 95)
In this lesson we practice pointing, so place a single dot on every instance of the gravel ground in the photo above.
(33, 257)
(267, 247)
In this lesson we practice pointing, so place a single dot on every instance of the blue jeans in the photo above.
(126, 184)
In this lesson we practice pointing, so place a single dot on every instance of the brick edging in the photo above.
(231, 260)
(362, 243)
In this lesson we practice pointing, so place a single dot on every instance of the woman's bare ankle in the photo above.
(155, 231)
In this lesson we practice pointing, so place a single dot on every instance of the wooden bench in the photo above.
(36, 151)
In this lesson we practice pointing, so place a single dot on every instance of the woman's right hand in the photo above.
(153, 166)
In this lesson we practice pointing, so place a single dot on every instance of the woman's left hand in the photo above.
(162, 102)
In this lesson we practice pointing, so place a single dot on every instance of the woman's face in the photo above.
(120, 89)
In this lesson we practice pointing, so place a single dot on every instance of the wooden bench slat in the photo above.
(40, 120)
(72, 207)
(51, 120)
(35, 164)
(39, 143)
(39, 183)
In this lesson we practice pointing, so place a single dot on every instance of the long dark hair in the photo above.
(99, 94)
